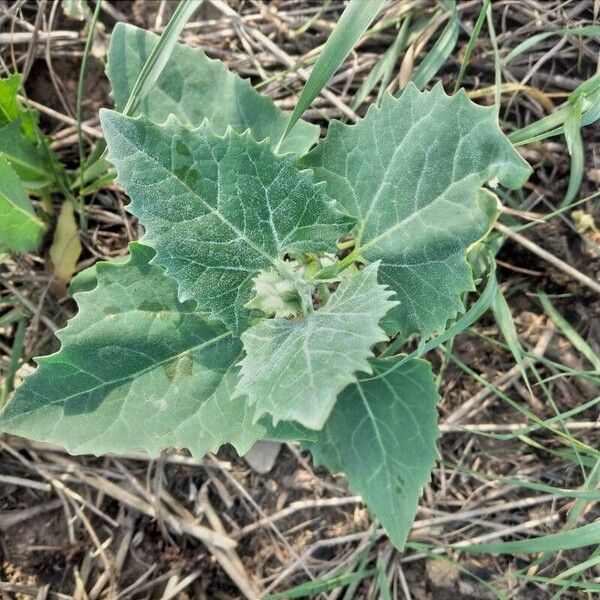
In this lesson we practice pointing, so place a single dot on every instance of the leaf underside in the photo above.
(20, 229)
(411, 172)
(217, 210)
(193, 88)
(382, 435)
(137, 370)
(294, 368)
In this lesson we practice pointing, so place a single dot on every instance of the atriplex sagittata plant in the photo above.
(278, 278)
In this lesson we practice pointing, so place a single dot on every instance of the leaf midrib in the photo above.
(210, 208)
(33, 168)
(13, 206)
(419, 211)
(131, 375)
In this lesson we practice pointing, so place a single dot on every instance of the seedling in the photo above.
(273, 273)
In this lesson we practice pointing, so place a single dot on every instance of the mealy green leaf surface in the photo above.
(159, 56)
(137, 370)
(20, 229)
(294, 368)
(411, 172)
(217, 210)
(194, 87)
(382, 434)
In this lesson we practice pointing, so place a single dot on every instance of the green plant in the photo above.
(274, 284)
(27, 166)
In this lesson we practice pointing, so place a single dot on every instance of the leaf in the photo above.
(30, 161)
(22, 143)
(193, 88)
(87, 280)
(411, 172)
(20, 229)
(382, 434)
(217, 210)
(277, 295)
(66, 247)
(294, 369)
(137, 370)
(11, 110)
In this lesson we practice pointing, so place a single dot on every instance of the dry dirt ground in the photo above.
(123, 526)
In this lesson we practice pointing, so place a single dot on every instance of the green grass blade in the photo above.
(570, 440)
(359, 14)
(81, 81)
(471, 44)
(528, 485)
(305, 590)
(507, 327)
(575, 146)
(365, 557)
(591, 30)
(588, 93)
(439, 53)
(160, 54)
(481, 305)
(587, 586)
(559, 418)
(569, 332)
(399, 47)
(382, 583)
(587, 535)
(497, 66)
(592, 481)
(576, 570)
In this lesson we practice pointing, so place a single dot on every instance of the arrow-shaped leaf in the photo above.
(382, 434)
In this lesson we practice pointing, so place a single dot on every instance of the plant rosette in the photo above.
(236, 316)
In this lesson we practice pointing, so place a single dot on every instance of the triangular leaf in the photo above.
(295, 368)
(382, 434)
(193, 88)
(217, 210)
(411, 171)
(137, 370)
(20, 229)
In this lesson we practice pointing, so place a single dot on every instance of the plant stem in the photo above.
(333, 270)
(80, 83)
